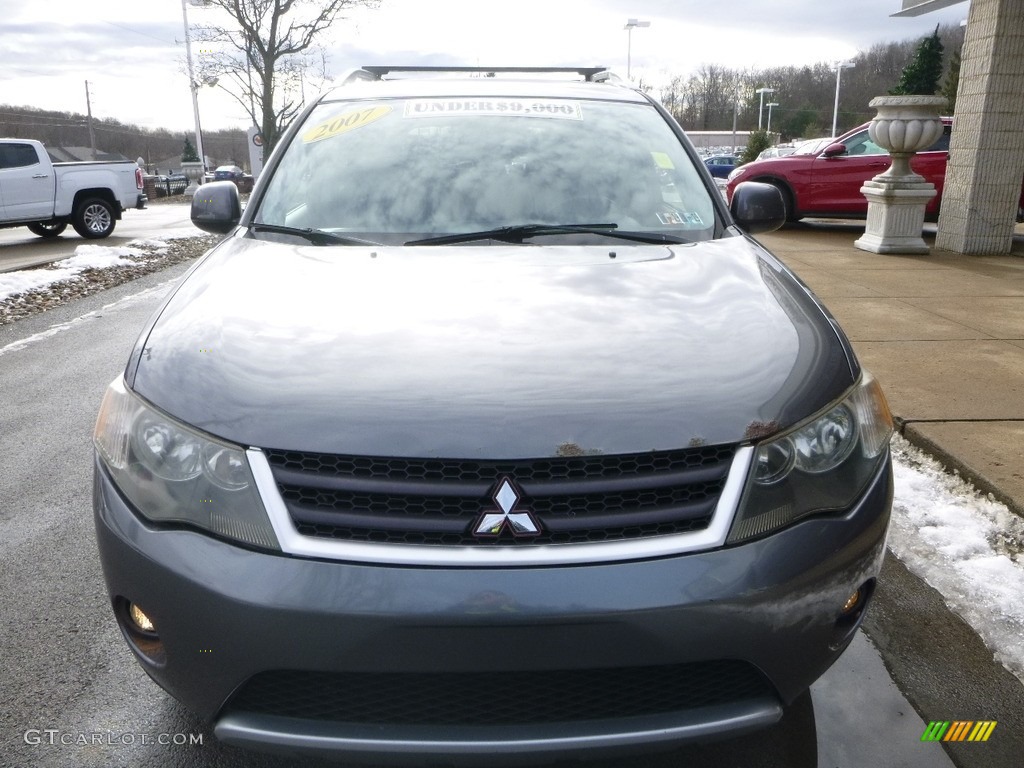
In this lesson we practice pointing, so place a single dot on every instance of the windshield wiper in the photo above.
(516, 234)
(315, 236)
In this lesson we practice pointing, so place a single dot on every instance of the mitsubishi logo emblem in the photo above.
(492, 524)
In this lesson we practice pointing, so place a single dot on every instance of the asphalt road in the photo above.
(71, 693)
(20, 249)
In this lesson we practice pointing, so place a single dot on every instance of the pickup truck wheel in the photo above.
(43, 229)
(93, 219)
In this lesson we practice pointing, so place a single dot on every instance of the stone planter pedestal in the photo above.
(897, 198)
(195, 173)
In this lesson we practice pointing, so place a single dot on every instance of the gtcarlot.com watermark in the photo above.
(56, 737)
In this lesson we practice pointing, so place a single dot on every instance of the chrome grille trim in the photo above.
(294, 543)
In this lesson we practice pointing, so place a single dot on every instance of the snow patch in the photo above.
(965, 545)
(86, 257)
(98, 257)
(159, 246)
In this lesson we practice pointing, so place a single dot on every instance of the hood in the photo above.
(490, 351)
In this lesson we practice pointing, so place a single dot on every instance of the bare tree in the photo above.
(264, 56)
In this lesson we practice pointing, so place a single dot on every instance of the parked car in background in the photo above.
(781, 150)
(47, 196)
(823, 177)
(721, 165)
(812, 146)
(228, 173)
(489, 432)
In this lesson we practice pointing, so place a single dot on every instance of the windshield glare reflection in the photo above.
(390, 170)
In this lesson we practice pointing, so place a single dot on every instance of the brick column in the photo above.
(983, 179)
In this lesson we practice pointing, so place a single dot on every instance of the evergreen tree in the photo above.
(952, 83)
(921, 76)
(756, 144)
(188, 153)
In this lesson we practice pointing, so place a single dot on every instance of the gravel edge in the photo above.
(89, 281)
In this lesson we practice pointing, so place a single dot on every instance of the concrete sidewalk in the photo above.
(944, 334)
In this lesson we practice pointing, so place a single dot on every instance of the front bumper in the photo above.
(225, 614)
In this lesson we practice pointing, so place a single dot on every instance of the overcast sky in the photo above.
(132, 51)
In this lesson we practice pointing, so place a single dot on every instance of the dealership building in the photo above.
(986, 165)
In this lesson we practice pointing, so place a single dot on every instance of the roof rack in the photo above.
(591, 74)
(356, 74)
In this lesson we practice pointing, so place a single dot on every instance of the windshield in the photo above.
(813, 146)
(389, 171)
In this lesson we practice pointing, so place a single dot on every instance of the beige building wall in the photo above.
(983, 179)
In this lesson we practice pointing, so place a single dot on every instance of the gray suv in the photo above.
(488, 428)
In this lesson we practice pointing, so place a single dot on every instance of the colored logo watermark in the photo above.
(958, 730)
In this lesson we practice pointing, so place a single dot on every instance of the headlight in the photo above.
(819, 466)
(174, 474)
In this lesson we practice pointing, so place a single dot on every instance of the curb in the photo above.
(953, 464)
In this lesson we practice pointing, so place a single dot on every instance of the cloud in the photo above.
(859, 24)
(129, 50)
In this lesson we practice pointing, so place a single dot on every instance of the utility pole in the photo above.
(88, 109)
(735, 114)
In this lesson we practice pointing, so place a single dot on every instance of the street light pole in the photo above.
(630, 24)
(192, 86)
(840, 66)
(760, 109)
(770, 104)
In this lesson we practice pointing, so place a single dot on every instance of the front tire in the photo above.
(787, 200)
(46, 229)
(93, 218)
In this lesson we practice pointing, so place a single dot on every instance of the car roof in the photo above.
(460, 84)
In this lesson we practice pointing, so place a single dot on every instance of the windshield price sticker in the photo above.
(345, 122)
(555, 108)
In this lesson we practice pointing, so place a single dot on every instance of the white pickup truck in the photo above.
(46, 196)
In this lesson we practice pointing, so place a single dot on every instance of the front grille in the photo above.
(496, 698)
(575, 499)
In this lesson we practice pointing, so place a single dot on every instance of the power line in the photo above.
(30, 71)
(137, 32)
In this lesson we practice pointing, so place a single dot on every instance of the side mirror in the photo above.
(758, 207)
(833, 150)
(216, 207)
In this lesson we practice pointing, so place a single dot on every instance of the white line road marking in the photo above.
(54, 330)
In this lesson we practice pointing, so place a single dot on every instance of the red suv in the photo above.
(826, 181)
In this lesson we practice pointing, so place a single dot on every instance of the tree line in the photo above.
(705, 100)
(71, 129)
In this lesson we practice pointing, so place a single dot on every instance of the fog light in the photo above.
(141, 620)
(851, 604)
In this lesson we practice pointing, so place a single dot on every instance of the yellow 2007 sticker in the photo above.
(345, 122)
(662, 160)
